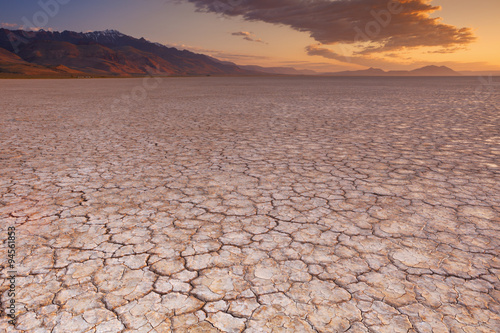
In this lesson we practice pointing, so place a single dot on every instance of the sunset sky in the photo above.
(324, 35)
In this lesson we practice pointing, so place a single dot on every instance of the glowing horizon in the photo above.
(322, 35)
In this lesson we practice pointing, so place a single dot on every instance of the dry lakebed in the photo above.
(271, 204)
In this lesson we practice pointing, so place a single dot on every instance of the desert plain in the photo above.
(275, 204)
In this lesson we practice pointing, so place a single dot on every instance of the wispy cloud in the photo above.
(9, 25)
(372, 61)
(393, 61)
(376, 26)
(247, 36)
(41, 28)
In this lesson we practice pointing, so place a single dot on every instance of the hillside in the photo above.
(100, 53)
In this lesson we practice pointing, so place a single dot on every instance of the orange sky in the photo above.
(286, 46)
(317, 34)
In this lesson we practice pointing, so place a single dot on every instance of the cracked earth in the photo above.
(251, 205)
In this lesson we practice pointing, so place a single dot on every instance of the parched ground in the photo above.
(251, 204)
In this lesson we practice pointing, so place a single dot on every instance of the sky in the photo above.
(322, 35)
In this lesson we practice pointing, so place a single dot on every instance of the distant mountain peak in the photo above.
(112, 31)
(433, 66)
(108, 32)
(104, 33)
(433, 70)
(373, 69)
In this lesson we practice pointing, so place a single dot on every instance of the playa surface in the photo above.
(251, 204)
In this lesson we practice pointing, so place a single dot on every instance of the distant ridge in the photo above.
(271, 70)
(431, 70)
(424, 71)
(365, 72)
(428, 71)
(280, 70)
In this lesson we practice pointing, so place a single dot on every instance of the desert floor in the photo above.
(251, 204)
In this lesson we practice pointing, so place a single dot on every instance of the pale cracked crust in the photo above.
(251, 204)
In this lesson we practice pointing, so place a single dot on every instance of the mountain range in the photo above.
(111, 53)
(424, 71)
(101, 53)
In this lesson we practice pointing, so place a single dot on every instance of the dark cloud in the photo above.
(386, 25)
(247, 36)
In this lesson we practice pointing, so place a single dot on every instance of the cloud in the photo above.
(9, 25)
(22, 27)
(396, 63)
(320, 50)
(247, 36)
(41, 28)
(378, 25)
